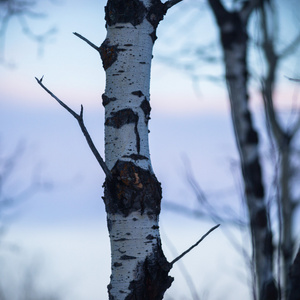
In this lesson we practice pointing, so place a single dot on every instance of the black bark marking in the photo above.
(156, 13)
(154, 279)
(269, 291)
(138, 140)
(121, 240)
(137, 93)
(153, 36)
(132, 189)
(136, 157)
(253, 179)
(145, 106)
(150, 237)
(106, 100)
(251, 137)
(260, 219)
(232, 30)
(108, 53)
(124, 11)
(122, 117)
(127, 257)
(116, 264)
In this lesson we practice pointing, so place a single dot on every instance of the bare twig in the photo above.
(182, 268)
(195, 245)
(293, 79)
(87, 41)
(85, 132)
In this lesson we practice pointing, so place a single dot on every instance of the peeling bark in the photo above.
(234, 37)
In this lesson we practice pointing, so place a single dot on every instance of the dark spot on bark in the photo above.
(155, 227)
(134, 219)
(116, 264)
(153, 36)
(108, 53)
(127, 257)
(124, 11)
(269, 291)
(136, 157)
(142, 62)
(106, 100)
(145, 106)
(154, 279)
(156, 13)
(268, 249)
(128, 45)
(132, 189)
(120, 240)
(237, 33)
(261, 220)
(137, 93)
(128, 233)
(252, 137)
(150, 237)
(122, 117)
(253, 179)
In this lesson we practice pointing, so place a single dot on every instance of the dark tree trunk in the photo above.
(234, 40)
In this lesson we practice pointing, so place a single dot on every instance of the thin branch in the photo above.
(195, 245)
(293, 79)
(80, 121)
(171, 3)
(87, 41)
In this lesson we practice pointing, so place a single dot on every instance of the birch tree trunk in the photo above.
(283, 138)
(133, 196)
(233, 34)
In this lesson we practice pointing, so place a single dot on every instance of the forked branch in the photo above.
(195, 245)
(79, 118)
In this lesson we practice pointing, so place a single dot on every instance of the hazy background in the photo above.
(59, 234)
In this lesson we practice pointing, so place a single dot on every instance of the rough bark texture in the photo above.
(133, 196)
(233, 34)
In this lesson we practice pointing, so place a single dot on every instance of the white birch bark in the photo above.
(133, 196)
